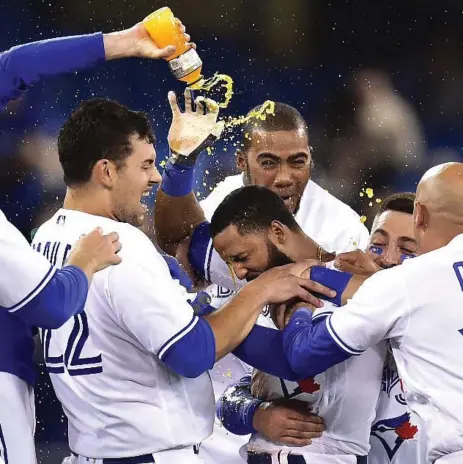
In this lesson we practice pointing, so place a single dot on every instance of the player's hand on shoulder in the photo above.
(94, 252)
(356, 262)
(284, 283)
(288, 422)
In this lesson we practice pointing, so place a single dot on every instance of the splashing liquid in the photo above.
(216, 83)
(266, 109)
(232, 273)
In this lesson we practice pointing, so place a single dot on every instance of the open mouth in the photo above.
(143, 198)
(287, 198)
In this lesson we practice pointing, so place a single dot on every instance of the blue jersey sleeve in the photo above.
(24, 65)
(310, 346)
(61, 298)
(193, 353)
(263, 350)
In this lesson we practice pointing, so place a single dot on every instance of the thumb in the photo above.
(165, 52)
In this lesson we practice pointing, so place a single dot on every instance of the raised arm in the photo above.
(177, 211)
(25, 65)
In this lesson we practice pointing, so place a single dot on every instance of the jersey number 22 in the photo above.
(72, 359)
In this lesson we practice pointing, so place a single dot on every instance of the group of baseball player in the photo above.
(265, 325)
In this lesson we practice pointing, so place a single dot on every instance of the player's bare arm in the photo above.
(177, 214)
(136, 42)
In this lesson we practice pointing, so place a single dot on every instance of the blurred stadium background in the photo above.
(378, 82)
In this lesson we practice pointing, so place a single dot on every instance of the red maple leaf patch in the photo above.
(406, 431)
(309, 385)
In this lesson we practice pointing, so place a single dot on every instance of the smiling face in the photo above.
(392, 239)
(280, 161)
(134, 180)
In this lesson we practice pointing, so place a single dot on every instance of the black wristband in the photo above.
(190, 160)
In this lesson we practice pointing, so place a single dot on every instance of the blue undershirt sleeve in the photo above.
(263, 350)
(194, 353)
(309, 346)
(24, 65)
(63, 297)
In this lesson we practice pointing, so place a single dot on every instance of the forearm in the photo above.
(236, 407)
(118, 45)
(177, 211)
(354, 284)
(63, 297)
(175, 219)
(233, 322)
(24, 65)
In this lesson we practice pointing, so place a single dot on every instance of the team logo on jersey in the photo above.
(290, 390)
(389, 381)
(223, 292)
(392, 433)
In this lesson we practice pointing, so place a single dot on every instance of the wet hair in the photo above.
(99, 129)
(251, 209)
(400, 202)
(285, 118)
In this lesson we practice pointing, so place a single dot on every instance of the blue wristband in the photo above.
(236, 407)
(335, 280)
(177, 179)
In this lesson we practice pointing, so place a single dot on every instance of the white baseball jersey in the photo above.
(24, 273)
(345, 396)
(17, 420)
(397, 434)
(329, 222)
(121, 400)
(417, 306)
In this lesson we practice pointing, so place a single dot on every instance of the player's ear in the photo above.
(420, 216)
(105, 172)
(278, 233)
(241, 162)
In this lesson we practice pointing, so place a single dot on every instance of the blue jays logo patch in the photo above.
(392, 433)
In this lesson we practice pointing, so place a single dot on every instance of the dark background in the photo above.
(378, 82)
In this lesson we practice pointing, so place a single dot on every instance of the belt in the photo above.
(266, 458)
(133, 460)
(145, 458)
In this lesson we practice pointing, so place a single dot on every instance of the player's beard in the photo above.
(274, 258)
(133, 216)
(277, 257)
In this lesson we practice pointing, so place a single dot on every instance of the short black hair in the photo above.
(99, 129)
(400, 202)
(283, 118)
(251, 209)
